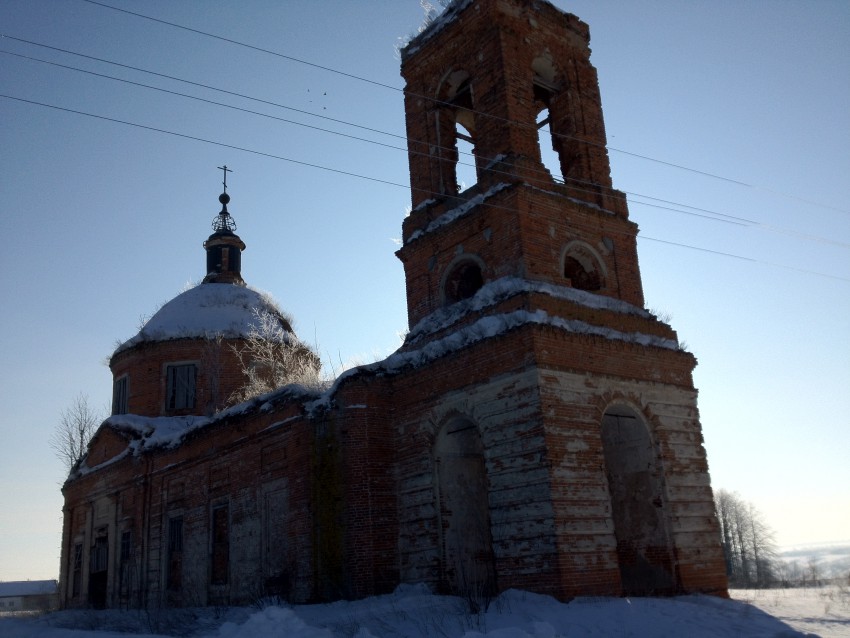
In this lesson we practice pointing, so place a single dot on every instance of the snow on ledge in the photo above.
(432, 29)
(451, 215)
(493, 292)
(485, 328)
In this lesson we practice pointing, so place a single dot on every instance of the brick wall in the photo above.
(219, 373)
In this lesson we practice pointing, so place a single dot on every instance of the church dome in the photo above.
(207, 311)
(193, 356)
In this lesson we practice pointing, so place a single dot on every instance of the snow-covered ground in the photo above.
(411, 612)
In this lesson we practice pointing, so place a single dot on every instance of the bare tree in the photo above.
(77, 425)
(748, 542)
(811, 574)
(272, 357)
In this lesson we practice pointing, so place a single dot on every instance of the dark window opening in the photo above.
(126, 545)
(77, 576)
(220, 546)
(581, 277)
(180, 386)
(463, 282)
(99, 555)
(120, 396)
(98, 571)
(174, 574)
(125, 565)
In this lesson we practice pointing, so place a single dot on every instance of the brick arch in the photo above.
(635, 477)
(462, 488)
(583, 266)
(455, 126)
(462, 278)
(608, 400)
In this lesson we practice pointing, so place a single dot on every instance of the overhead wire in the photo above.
(433, 99)
(703, 213)
(369, 178)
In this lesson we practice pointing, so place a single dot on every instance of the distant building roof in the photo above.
(28, 588)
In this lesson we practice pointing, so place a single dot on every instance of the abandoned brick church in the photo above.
(538, 429)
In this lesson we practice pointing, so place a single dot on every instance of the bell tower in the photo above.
(506, 78)
(575, 403)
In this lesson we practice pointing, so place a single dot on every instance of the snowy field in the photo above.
(411, 612)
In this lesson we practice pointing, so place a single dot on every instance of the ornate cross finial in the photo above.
(226, 171)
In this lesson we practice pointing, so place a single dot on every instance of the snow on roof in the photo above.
(169, 432)
(207, 310)
(27, 588)
(148, 433)
(434, 27)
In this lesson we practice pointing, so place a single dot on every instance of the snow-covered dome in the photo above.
(206, 311)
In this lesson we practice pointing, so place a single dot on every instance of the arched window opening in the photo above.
(546, 143)
(582, 268)
(637, 504)
(466, 174)
(544, 90)
(462, 282)
(456, 134)
(467, 562)
(579, 276)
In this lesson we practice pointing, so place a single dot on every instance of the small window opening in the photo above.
(581, 277)
(220, 545)
(180, 386)
(119, 396)
(125, 567)
(77, 576)
(463, 282)
(174, 575)
(126, 546)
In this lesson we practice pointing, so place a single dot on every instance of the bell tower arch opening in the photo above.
(467, 564)
(545, 87)
(455, 134)
(634, 474)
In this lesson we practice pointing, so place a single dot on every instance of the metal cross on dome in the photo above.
(226, 171)
(223, 222)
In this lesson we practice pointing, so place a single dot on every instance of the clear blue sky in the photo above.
(104, 221)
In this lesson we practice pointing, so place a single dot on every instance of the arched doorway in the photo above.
(467, 561)
(637, 504)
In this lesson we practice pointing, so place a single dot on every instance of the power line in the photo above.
(365, 177)
(201, 139)
(246, 45)
(432, 99)
(203, 86)
(708, 214)
(743, 258)
(208, 101)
